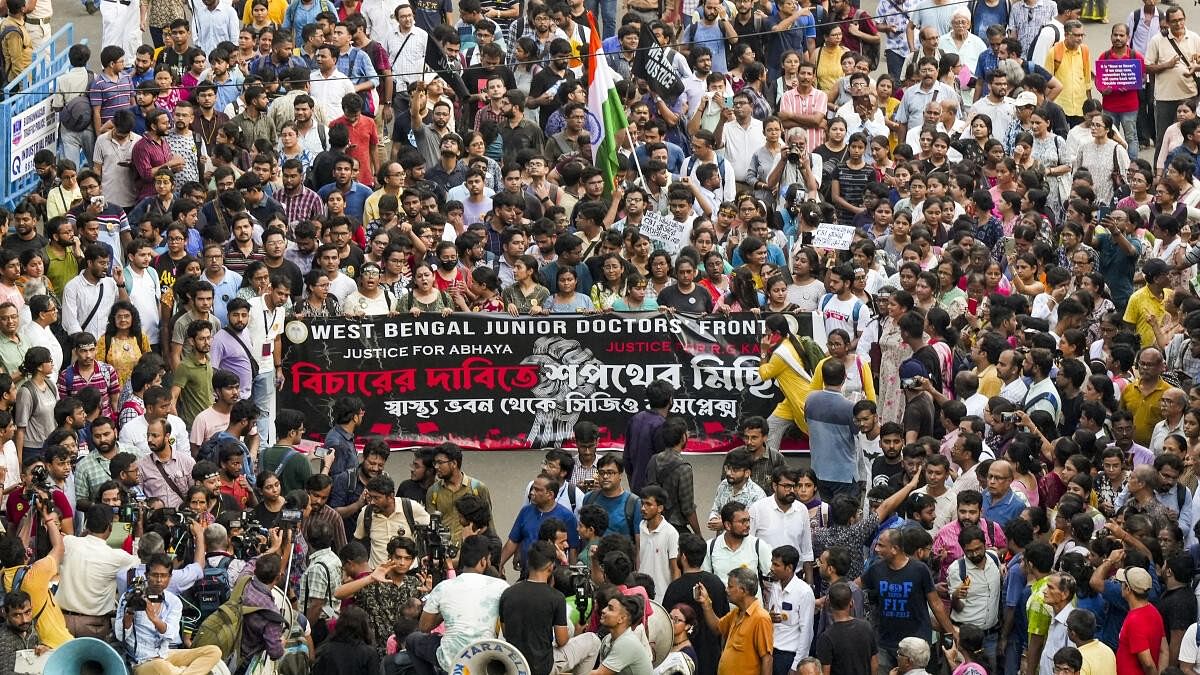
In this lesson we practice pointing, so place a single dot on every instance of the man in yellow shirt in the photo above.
(35, 578)
(1070, 62)
(748, 629)
(1144, 396)
(1147, 305)
(986, 353)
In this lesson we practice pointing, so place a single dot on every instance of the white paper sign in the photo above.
(831, 235)
(663, 232)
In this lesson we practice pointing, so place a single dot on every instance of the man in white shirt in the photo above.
(87, 589)
(974, 583)
(1052, 33)
(88, 297)
(142, 285)
(997, 105)
(961, 41)
(214, 22)
(658, 548)
(791, 604)
(704, 145)
(158, 406)
(859, 106)
(777, 520)
(405, 43)
(740, 137)
(266, 325)
(327, 84)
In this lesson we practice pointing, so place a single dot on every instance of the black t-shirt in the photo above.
(1178, 609)
(898, 598)
(529, 611)
(697, 302)
(353, 261)
(707, 643)
(847, 646)
(919, 414)
(542, 82)
(294, 277)
(413, 490)
(882, 472)
(18, 245)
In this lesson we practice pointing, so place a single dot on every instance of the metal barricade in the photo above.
(27, 119)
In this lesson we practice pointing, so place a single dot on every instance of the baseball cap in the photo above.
(913, 368)
(1026, 98)
(1136, 578)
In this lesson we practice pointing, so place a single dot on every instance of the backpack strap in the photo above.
(406, 504)
(291, 452)
(571, 496)
(631, 506)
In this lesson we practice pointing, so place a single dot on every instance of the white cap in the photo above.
(1026, 98)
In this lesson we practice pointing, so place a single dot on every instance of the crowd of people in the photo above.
(1000, 392)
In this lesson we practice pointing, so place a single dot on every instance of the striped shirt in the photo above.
(111, 96)
(814, 102)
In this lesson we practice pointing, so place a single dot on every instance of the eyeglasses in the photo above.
(608, 472)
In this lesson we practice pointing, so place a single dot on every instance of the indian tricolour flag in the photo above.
(605, 105)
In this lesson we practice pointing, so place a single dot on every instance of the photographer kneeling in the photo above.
(148, 625)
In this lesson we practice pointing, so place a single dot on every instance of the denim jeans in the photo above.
(76, 144)
(263, 393)
(607, 8)
(895, 61)
(1128, 124)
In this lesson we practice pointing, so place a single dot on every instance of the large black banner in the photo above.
(492, 381)
(653, 64)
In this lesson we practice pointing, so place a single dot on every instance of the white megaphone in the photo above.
(490, 657)
(85, 656)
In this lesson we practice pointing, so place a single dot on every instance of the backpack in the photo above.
(632, 506)
(1137, 21)
(210, 448)
(76, 115)
(1059, 50)
(212, 590)
(1034, 42)
(223, 628)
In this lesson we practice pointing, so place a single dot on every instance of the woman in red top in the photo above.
(449, 276)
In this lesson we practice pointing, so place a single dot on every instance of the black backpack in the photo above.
(212, 590)
(76, 115)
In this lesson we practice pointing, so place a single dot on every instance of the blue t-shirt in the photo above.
(529, 519)
(615, 506)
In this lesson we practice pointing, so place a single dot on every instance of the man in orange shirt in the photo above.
(363, 137)
(747, 629)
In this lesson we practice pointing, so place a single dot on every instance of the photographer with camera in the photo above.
(468, 604)
(152, 544)
(87, 587)
(20, 573)
(533, 618)
(386, 516)
(38, 487)
(149, 617)
(349, 493)
(129, 516)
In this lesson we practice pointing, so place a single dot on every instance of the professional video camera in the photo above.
(136, 596)
(585, 588)
(439, 545)
(289, 518)
(41, 481)
(252, 536)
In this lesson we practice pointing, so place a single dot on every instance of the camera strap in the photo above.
(170, 483)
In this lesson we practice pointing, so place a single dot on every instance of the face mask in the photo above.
(447, 265)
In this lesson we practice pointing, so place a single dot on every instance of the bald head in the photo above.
(999, 478)
(1146, 476)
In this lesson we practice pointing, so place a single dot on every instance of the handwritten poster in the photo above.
(831, 235)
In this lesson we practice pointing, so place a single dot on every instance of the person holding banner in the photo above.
(1120, 99)
(785, 360)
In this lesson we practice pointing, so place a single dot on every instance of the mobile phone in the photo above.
(98, 200)
(948, 641)
(728, 100)
(1102, 213)
(1010, 246)
(320, 451)
(696, 592)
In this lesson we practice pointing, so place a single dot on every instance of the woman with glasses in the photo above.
(682, 658)
(318, 301)
(1104, 157)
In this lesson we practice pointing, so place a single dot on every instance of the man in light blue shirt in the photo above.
(830, 417)
(148, 632)
(1000, 502)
